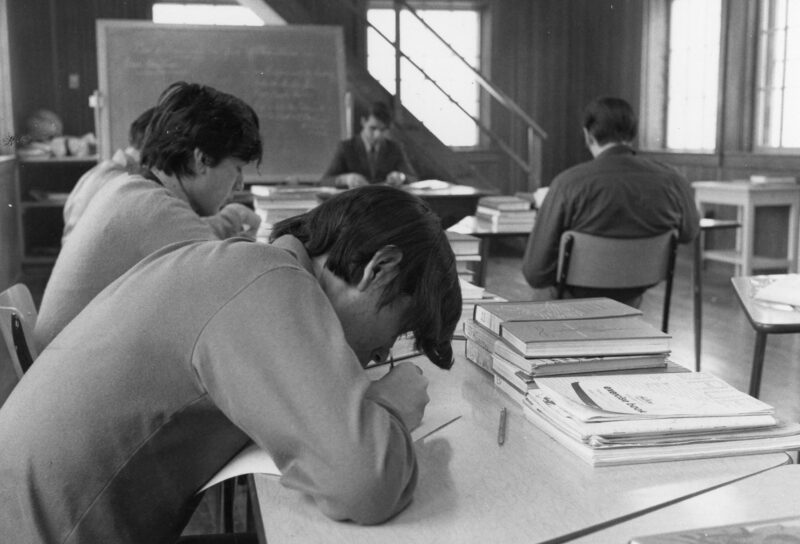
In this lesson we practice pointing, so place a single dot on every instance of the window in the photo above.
(693, 74)
(461, 29)
(205, 14)
(778, 87)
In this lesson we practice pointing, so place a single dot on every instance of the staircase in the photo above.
(430, 157)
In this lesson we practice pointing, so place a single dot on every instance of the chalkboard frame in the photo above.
(297, 155)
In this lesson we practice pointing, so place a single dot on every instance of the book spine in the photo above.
(515, 394)
(487, 319)
(480, 335)
(478, 355)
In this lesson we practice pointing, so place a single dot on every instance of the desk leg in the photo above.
(698, 298)
(758, 363)
(483, 266)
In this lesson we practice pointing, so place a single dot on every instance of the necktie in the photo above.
(372, 155)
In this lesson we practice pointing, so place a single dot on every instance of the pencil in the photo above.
(501, 430)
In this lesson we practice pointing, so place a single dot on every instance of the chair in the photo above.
(596, 262)
(17, 318)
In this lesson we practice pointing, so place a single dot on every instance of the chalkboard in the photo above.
(292, 76)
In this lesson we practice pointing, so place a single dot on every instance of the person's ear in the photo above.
(383, 266)
(200, 165)
(588, 138)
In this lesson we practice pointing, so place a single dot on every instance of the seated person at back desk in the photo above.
(204, 346)
(370, 157)
(616, 195)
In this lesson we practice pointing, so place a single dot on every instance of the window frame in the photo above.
(482, 7)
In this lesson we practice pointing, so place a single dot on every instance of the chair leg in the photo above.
(758, 363)
(228, 491)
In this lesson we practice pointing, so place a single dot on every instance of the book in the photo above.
(551, 366)
(618, 397)
(585, 337)
(779, 443)
(508, 215)
(520, 380)
(780, 180)
(558, 411)
(493, 316)
(517, 395)
(548, 366)
(478, 355)
(463, 244)
(785, 529)
(504, 202)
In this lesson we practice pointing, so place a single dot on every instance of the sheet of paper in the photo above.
(253, 459)
(784, 289)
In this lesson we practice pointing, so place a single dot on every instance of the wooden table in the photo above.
(769, 494)
(486, 232)
(530, 489)
(706, 224)
(766, 318)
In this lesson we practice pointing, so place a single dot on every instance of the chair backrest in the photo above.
(17, 353)
(585, 260)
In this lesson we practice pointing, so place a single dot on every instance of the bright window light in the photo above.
(205, 14)
(460, 28)
(693, 88)
(778, 91)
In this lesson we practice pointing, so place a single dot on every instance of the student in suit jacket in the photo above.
(370, 157)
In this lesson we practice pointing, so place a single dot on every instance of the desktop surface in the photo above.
(529, 489)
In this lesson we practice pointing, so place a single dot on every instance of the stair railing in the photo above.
(532, 164)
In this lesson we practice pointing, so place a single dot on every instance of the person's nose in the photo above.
(381, 355)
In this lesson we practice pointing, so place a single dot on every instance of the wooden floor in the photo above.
(727, 341)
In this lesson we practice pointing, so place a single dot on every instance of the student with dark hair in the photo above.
(124, 161)
(194, 148)
(619, 194)
(205, 346)
(370, 156)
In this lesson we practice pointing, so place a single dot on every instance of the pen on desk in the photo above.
(501, 430)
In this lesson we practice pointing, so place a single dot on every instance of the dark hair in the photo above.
(139, 127)
(381, 112)
(352, 226)
(190, 116)
(610, 119)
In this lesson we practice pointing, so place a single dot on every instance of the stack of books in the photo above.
(276, 203)
(466, 249)
(471, 295)
(505, 213)
(617, 419)
(519, 342)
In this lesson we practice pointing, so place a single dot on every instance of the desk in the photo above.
(484, 231)
(530, 489)
(765, 319)
(770, 494)
(747, 197)
(452, 203)
(697, 276)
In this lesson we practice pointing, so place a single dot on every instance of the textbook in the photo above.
(520, 380)
(786, 529)
(478, 355)
(494, 315)
(622, 419)
(585, 337)
(782, 441)
(549, 366)
(504, 202)
(463, 244)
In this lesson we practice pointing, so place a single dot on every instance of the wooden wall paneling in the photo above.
(30, 47)
(6, 102)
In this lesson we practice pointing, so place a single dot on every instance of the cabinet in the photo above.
(43, 187)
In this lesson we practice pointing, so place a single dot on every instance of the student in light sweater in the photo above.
(194, 149)
(205, 346)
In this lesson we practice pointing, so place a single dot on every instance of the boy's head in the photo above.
(191, 117)
(610, 120)
(376, 123)
(384, 239)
